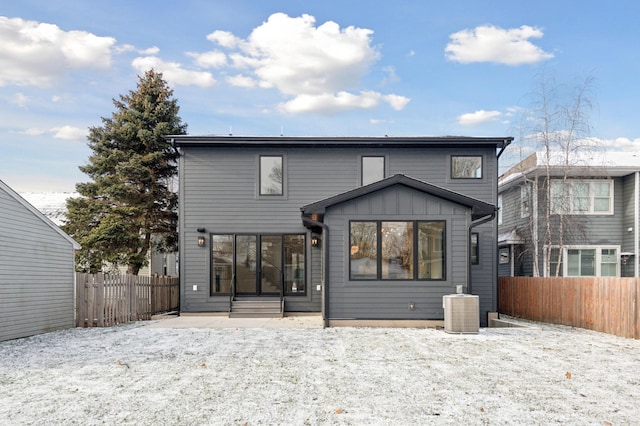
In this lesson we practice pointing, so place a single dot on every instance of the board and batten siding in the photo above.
(36, 273)
(390, 299)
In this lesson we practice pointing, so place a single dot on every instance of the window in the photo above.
(581, 196)
(474, 249)
(466, 167)
(499, 209)
(271, 175)
(278, 264)
(583, 261)
(372, 169)
(525, 200)
(395, 250)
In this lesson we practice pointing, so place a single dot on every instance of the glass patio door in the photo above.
(258, 272)
(246, 265)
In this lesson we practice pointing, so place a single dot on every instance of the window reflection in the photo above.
(271, 175)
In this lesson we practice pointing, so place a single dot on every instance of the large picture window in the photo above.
(397, 250)
(581, 196)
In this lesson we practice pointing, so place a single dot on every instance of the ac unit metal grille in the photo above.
(461, 313)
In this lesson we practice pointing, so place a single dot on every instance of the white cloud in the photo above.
(478, 117)
(329, 103)
(33, 132)
(622, 144)
(213, 59)
(173, 72)
(318, 67)
(69, 133)
(36, 54)
(493, 44)
(242, 81)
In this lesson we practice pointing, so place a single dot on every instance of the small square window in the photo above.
(466, 167)
(372, 169)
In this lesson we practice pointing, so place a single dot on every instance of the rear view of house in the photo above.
(37, 263)
(362, 230)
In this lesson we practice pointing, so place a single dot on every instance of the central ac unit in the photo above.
(461, 313)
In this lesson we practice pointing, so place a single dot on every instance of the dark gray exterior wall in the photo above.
(390, 299)
(218, 187)
(36, 273)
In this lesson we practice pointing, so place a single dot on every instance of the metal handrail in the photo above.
(232, 291)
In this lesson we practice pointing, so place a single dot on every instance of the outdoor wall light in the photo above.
(315, 241)
(201, 241)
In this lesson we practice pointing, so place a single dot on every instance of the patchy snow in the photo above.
(52, 204)
(133, 374)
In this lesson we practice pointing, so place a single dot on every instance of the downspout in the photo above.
(325, 261)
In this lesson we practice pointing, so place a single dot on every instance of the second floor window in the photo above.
(372, 169)
(466, 167)
(576, 196)
(271, 175)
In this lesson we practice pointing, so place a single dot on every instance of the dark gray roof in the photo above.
(337, 141)
(478, 208)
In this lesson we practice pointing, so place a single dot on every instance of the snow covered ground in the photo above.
(133, 374)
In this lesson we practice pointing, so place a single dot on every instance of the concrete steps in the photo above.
(256, 308)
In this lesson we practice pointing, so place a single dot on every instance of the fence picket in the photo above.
(104, 300)
(605, 304)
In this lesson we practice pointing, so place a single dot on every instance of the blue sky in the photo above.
(335, 68)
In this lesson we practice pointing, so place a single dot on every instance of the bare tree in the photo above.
(557, 127)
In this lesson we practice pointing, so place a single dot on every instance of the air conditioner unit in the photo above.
(461, 313)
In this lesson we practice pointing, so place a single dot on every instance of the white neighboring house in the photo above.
(54, 206)
(37, 263)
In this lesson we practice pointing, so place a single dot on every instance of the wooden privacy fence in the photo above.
(608, 305)
(103, 300)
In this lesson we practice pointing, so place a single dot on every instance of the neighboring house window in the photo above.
(271, 175)
(503, 255)
(581, 196)
(474, 249)
(466, 166)
(235, 260)
(394, 250)
(499, 209)
(372, 169)
(584, 261)
(525, 200)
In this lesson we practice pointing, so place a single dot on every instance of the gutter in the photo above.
(325, 261)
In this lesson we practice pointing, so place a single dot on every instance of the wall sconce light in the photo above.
(315, 241)
(201, 241)
(624, 257)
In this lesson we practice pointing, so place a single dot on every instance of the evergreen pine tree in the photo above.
(129, 207)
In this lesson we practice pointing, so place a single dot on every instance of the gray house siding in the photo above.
(390, 299)
(36, 272)
(219, 194)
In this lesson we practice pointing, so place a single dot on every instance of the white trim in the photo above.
(598, 259)
(591, 196)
